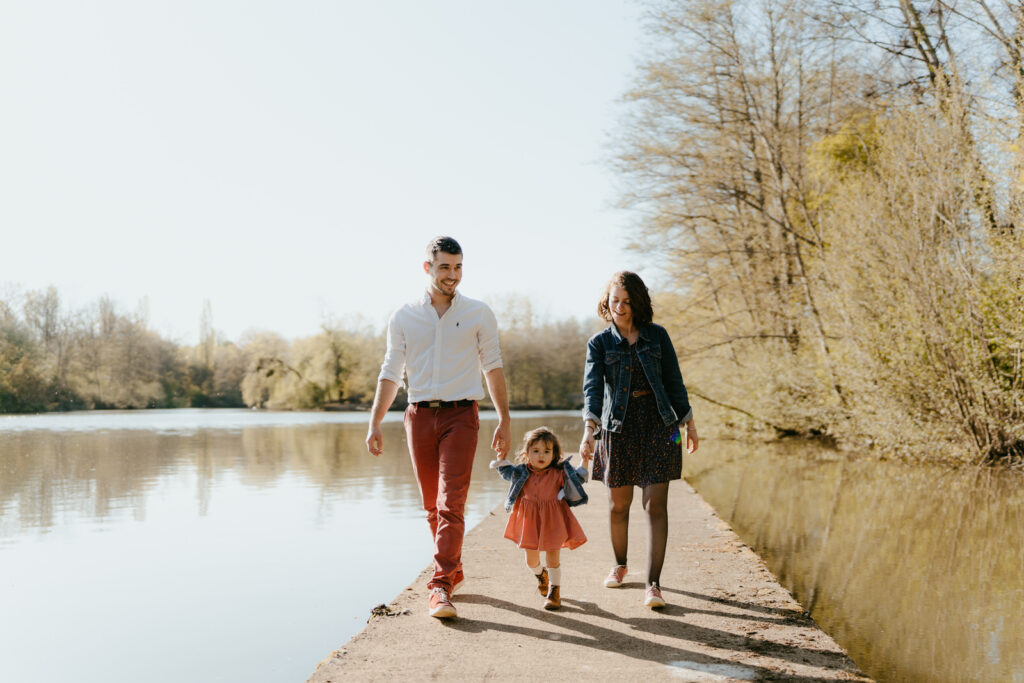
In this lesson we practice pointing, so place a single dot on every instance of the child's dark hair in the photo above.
(540, 434)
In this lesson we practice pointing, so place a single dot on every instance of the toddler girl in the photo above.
(542, 488)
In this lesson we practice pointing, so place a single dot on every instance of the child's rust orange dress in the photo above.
(539, 520)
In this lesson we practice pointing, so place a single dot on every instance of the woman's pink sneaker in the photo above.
(616, 576)
(653, 597)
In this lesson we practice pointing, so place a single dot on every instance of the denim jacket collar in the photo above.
(572, 490)
(643, 331)
(607, 377)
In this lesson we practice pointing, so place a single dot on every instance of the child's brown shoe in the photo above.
(542, 581)
(554, 600)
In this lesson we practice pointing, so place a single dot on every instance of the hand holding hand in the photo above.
(587, 446)
(501, 443)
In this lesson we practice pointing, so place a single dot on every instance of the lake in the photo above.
(916, 569)
(235, 545)
(213, 545)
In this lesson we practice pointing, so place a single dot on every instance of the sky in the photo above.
(289, 161)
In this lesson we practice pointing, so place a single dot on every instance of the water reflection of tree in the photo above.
(48, 477)
(915, 570)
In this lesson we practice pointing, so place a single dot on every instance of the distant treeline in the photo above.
(837, 189)
(100, 357)
(834, 188)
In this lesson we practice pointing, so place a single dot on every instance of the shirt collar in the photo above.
(426, 301)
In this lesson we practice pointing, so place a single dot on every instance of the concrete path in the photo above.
(727, 618)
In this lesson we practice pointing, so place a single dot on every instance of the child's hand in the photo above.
(500, 456)
(586, 458)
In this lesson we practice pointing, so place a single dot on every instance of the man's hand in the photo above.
(501, 443)
(374, 439)
(382, 400)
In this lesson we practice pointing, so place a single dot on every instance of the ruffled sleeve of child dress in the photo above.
(539, 520)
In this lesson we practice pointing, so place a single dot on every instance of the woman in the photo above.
(636, 404)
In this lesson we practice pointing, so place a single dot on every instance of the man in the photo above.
(442, 341)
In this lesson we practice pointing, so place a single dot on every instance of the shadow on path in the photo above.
(641, 647)
(778, 615)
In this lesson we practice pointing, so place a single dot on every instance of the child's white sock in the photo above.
(537, 570)
(555, 576)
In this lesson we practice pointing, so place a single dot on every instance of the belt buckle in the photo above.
(434, 404)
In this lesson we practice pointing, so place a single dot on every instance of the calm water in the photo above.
(918, 571)
(195, 545)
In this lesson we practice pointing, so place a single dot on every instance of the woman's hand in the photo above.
(587, 444)
(692, 441)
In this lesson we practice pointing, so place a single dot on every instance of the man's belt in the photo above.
(461, 403)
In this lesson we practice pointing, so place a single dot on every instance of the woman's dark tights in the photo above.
(619, 499)
(655, 501)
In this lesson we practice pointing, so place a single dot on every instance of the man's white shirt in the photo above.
(442, 356)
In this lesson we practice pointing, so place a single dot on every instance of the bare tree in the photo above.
(816, 181)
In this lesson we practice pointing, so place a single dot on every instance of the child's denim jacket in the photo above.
(572, 492)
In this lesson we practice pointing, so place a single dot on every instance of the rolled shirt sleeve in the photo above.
(393, 367)
(487, 341)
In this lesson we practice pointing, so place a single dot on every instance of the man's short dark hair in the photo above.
(448, 245)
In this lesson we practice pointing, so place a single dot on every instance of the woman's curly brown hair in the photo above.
(639, 297)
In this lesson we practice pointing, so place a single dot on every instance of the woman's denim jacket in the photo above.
(572, 492)
(606, 379)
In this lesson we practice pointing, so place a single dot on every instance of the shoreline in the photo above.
(727, 617)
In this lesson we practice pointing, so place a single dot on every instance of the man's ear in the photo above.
(426, 267)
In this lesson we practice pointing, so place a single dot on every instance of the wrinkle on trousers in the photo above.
(442, 444)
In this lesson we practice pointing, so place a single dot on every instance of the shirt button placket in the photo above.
(435, 380)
